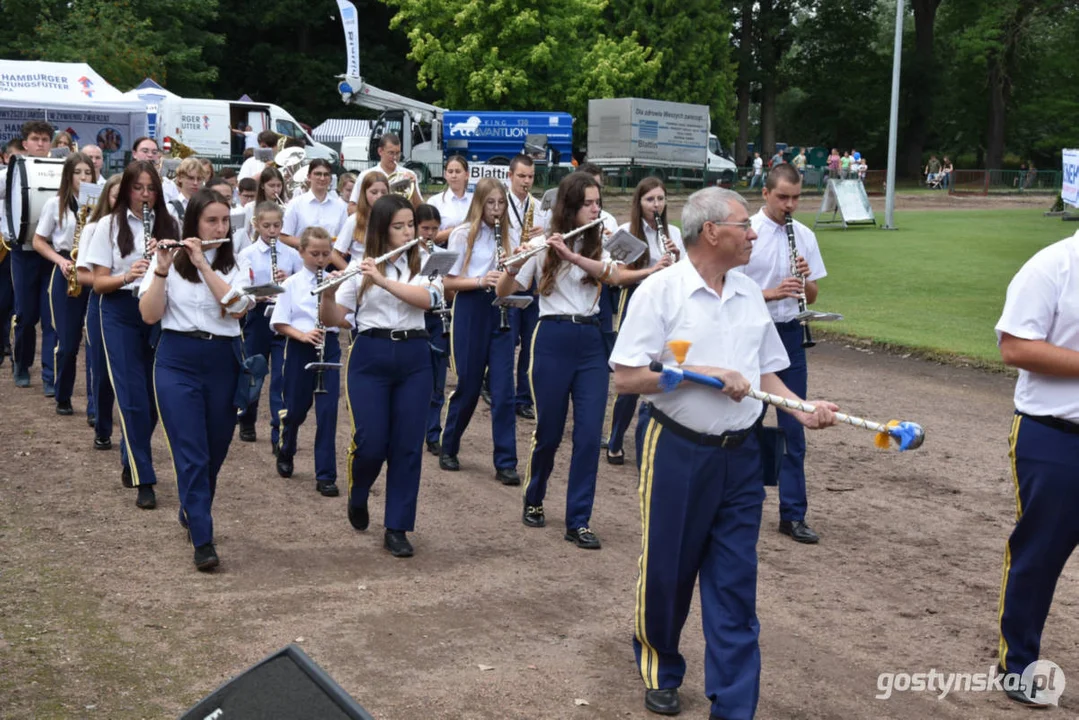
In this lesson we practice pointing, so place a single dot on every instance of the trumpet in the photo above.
(355, 269)
(535, 248)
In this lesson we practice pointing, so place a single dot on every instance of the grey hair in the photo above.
(712, 204)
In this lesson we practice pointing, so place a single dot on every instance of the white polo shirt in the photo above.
(297, 306)
(257, 259)
(518, 209)
(1043, 304)
(103, 251)
(345, 243)
(483, 259)
(306, 211)
(451, 208)
(84, 245)
(48, 225)
(380, 309)
(192, 306)
(570, 295)
(251, 168)
(732, 331)
(656, 249)
(770, 263)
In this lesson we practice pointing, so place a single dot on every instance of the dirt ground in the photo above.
(103, 615)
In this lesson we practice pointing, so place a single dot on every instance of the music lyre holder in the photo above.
(623, 247)
(514, 301)
(817, 316)
(438, 263)
(264, 290)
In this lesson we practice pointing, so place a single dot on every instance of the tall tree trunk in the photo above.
(768, 115)
(745, 80)
(922, 78)
(1001, 63)
(767, 32)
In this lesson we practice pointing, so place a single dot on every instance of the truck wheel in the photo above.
(423, 175)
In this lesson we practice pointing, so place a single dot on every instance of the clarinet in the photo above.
(320, 374)
(807, 335)
(147, 230)
(661, 233)
(273, 261)
(500, 255)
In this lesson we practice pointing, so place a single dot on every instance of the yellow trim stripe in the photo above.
(535, 405)
(1013, 441)
(55, 329)
(351, 422)
(453, 369)
(119, 406)
(649, 664)
(283, 412)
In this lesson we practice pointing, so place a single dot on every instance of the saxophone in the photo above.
(74, 289)
(526, 226)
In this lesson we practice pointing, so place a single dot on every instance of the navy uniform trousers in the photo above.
(129, 358)
(701, 515)
(67, 315)
(260, 339)
(526, 326)
(476, 344)
(1046, 532)
(624, 405)
(7, 306)
(196, 380)
(299, 395)
(568, 360)
(97, 366)
(792, 476)
(440, 363)
(388, 386)
(30, 281)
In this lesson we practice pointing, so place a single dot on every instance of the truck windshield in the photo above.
(713, 146)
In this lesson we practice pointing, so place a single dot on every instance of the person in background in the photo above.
(799, 162)
(946, 171)
(758, 172)
(94, 153)
(63, 140)
(245, 191)
(228, 174)
(776, 159)
(253, 166)
(932, 170)
(454, 201)
(146, 148)
(348, 245)
(834, 161)
(428, 222)
(13, 148)
(189, 178)
(345, 183)
(318, 206)
(389, 152)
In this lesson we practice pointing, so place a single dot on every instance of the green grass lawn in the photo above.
(937, 283)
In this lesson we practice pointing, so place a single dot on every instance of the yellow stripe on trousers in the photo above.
(351, 421)
(535, 404)
(1013, 440)
(55, 328)
(119, 405)
(649, 657)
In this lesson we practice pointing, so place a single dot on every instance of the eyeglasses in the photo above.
(320, 174)
(745, 224)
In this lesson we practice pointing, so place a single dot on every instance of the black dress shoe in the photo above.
(125, 477)
(619, 459)
(798, 530)
(358, 516)
(248, 434)
(526, 412)
(64, 408)
(507, 476)
(435, 448)
(21, 374)
(284, 467)
(50, 390)
(663, 702)
(102, 443)
(398, 545)
(327, 489)
(91, 421)
(206, 557)
(533, 516)
(146, 500)
(275, 448)
(1017, 695)
(603, 445)
(583, 538)
(449, 462)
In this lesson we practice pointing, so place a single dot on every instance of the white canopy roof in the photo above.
(60, 86)
(337, 129)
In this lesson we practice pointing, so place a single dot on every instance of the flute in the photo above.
(177, 244)
(355, 270)
(541, 245)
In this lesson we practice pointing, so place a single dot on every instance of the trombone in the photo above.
(535, 248)
(355, 269)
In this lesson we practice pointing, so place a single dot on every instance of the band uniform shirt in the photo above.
(297, 306)
(656, 250)
(306, 211)
(345, 244)
(178, 212)
(733, 330)
(380, 309)
(1042, 303)
(398, 168)
(570, 296)
(169, 189)
(251, 168)
(484, 256)
(48, 226)
(518, 209)
(770, 262)
(256, 258)
(452, 209)
(192, 306)
(84, 245)
(104, 252)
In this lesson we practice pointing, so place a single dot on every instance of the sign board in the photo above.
(635, 130)
(477, 171)
(1070, 190)
(848, 200)
(111, 131)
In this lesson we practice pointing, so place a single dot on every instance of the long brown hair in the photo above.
(164, 226)
(569, 201)
(268, 173)
(484, 188)
(363, 210)
(637, 219)
(378, 237)
(69, 199)
(104, 206)
(224, 259)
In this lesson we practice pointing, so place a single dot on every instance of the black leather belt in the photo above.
(727, 441)
(200, 335)
(1054, 422)
(384, 334)
(575, 319)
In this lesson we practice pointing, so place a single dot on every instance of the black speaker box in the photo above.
(287, 685)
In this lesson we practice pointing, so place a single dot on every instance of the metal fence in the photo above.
(984, 182)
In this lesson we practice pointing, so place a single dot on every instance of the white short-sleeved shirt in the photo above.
(192, 306)
(610, 224)
(451, 208)
(241, 240)
(251, 168)
(355, 196)
(48, 225)
(345, 243)
(1043, 304)
(484, 255)
(758, 166)
(250, 140)
(732, 331)
(175, 211)
(655, 247)
(518, 208)
(169, 189)
(297, 306)
(380, 309)
(256, 257)
(306, 211)
(84, 245)
(103, 251)
(570, 295)
(770, 263)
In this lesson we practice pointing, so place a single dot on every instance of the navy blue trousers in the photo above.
(7, 305)
(608, 301)
(97, 363)
(30, 280)
(196, 382)
(299, 395)
(68, 316)
(129, 356)
(701, 515)
(260, 339)
(624, 405)
(388, 386)
(440, 363)
(792, 476)
(1046, 532)
(476, 344)
(568, 360)
(526, 326)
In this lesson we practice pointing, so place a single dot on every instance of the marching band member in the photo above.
(252, 166)
(63, 140)
(428, 222)
(348, 245)
(195, 294)
(259, 336)
(94, 153)
(649, 201)
(345, 183)
(189, 178)
(145, 148)
(570, 279)
(701, 474)
(270, 188)
(53, 240)
(477, 342)
(295, 317)
(30, 280)
(389, 370)
(118, 257)
(317, 206)
(246, 190)
(453, 202)
(389, 151)
(97, 382)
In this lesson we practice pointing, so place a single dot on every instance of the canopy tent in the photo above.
(336, 130)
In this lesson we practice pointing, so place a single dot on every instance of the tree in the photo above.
(772, 36)
(922, 82)
(744, 83)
